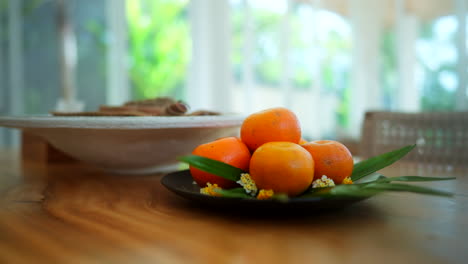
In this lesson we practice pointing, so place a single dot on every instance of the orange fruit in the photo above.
(303, 141)
(275, 124)
(230, 150)
(283, 167)
(331, 158)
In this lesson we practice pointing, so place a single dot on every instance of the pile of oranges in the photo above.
(272, 150)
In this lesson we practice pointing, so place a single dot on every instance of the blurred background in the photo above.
(330, 61)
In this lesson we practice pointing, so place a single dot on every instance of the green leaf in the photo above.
(370, 178)
(354, 190)
(281, 197)
(382, 184)
(234, 193)
(377, 177)
(218, 168)
(345, 190)
(406, 188)
(240, 193)
(414, 179)
(318, 192)
(371, 165)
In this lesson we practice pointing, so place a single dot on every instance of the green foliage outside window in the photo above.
(159, 46)
(435, 93)
(436, 96)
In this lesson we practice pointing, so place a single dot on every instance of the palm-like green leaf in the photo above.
(369, 166)
(340, 191)
(213, 166)
(414, 179)
(374, 187)
(382, 186)
(234, 193)
(281, 197)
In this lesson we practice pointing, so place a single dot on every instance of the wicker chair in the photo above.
(441, 137)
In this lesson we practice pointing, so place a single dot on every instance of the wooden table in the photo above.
(72, 213)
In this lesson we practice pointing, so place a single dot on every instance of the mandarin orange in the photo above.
(331, 158)
(230, 150)
(275, 124)
(283, 167)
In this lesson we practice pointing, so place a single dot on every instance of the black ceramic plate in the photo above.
(181, 183)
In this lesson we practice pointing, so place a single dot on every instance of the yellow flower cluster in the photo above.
(265, 194)
(248, 184)
(347, 180)
(323, 182)
(210, 189)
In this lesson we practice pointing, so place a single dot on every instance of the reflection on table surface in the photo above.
(70, 213)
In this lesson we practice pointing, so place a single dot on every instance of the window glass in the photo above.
(40, 61)
(318, 61)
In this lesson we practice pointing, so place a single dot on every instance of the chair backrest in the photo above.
(441, 137)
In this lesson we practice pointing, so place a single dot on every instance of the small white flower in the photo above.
(248, 184)
(323, 182)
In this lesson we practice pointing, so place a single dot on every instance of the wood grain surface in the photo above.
(71, 213)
